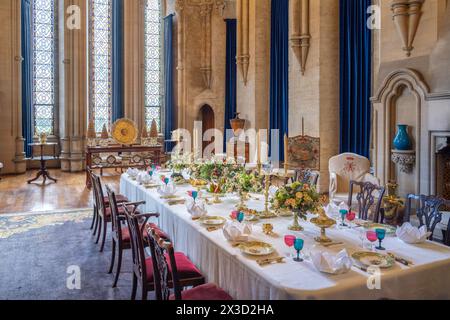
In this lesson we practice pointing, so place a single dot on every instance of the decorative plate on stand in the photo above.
(125, 131)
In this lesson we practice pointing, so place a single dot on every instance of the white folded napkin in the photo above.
(186, 175)
(167, 190)
(132, 172)
(237, 232)
(410, 234)
(330, 263)
(196, 209)
(332, 209)
(144, 178)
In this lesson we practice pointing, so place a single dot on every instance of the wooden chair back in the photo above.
(367, 199)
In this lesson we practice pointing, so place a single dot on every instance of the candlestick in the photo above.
(195, 144)
(258, 149)
(286, 146)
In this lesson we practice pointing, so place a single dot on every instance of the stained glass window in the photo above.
(44, 66)
(152, 47)
(100, 50)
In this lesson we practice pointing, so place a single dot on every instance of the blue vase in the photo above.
(402, 140)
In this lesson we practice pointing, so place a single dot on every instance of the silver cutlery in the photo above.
(332, 244)
(264, 262)
(400, 260)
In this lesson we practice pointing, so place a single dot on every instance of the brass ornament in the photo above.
(124, 131)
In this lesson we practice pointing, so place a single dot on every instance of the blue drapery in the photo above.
(27, 76)
(117, 60)
(168, 78)
(279, 71)
(230, 79)
(355, 77)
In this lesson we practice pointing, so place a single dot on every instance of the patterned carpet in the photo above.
(39, 253)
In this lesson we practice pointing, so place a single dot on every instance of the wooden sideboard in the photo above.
(155, 152)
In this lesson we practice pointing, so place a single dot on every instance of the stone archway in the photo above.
(207, 117)
(402, 95)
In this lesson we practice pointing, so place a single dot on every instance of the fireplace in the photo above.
(443, 171)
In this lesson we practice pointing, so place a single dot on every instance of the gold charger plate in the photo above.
(150, 185)
(124, 131)
(212, 220)
(271, 215)
(284, 213)
(198, 183)
(256, 248)
(368, 259)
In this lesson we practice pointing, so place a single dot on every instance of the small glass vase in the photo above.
(296, 225)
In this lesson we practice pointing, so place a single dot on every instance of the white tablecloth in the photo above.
(243, 278)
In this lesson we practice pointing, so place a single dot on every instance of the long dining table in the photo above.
(244, 279)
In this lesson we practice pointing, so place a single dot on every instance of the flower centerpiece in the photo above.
(179, 162)
(243, 183)
(298, 197)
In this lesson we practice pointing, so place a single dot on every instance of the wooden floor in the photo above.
(17, 196)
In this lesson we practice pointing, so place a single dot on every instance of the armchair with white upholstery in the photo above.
(346, 167)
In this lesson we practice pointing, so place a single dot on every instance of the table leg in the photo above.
(43, 172)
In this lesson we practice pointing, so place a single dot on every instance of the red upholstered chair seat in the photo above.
(186, 269)
(126, 233)
(119, 199)
(207, 291)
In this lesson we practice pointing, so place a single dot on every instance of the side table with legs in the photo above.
(43, 171)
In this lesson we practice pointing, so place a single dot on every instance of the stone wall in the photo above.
(412, 90)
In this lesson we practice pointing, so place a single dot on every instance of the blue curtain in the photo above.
(27, 75)
(355, 77)
(168, 78)
(230, 78)
(279, 71)
(117, 60)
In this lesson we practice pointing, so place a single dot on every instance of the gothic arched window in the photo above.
(100, 70)
(153, 62)
(44, 65)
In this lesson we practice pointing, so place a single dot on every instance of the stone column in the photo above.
(315, 95)
(11, 140)
(253, 94)
(181, 49)
(16, 83)
(73, 94)
(134, 61)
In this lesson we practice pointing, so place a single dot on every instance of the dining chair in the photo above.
(166, 275)
(143, 273)
(120, 234)
(104, 209)
(366, 197)
(307, 176)
(96, 202)
(429, 212)
(344, 168)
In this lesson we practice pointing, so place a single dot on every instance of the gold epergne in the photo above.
(323, 222)
(216, 199)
